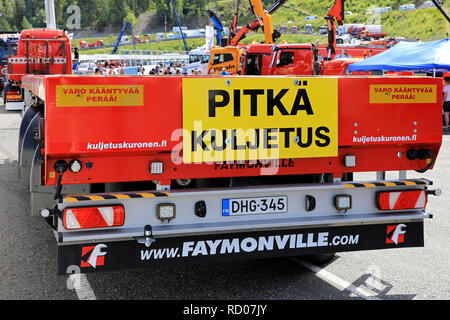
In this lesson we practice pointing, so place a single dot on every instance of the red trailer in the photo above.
(232, 167)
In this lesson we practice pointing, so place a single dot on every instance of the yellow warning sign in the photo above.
(407, 93)
(99, 95)
(233, 119)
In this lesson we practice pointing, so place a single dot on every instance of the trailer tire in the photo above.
(5, 89)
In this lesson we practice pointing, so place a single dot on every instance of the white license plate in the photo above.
(244, 206)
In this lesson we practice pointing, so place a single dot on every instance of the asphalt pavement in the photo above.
(28, 258)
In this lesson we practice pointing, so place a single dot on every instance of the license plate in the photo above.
(244, 206)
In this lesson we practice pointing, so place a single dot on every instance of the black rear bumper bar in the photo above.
(115, 255)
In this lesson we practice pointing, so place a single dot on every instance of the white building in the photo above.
(406, 7)
(428, 4)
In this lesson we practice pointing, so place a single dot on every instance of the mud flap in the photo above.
(107, 256)
(26, 119)
(28, 145)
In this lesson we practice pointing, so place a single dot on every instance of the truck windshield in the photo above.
(194, 58)
(286, 58)
(205, 58)
(202, 58)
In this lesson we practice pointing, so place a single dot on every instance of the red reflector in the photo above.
(93, 217)
(13, 97)
(400, 200)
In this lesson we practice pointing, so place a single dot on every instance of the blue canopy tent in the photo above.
(430, 56)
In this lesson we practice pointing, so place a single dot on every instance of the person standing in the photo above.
(446, 102)
(224, 72)
(76, 54)
(75, 65)
(140, 70)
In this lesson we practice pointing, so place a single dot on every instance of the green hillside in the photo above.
(425, 24)
(100, 15)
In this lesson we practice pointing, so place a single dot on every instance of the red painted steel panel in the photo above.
(71, 131)
(379, 120)
(75, 130)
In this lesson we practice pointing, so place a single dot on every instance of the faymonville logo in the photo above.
(93, 256)
(396, 234)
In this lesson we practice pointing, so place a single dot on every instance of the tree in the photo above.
(103, 17)
(130, 18)
(4, 25)
(39, 18)
(26, 24)
(9, 8)
(19, 12)
(179, 6)
(60, 12)
(162, 9)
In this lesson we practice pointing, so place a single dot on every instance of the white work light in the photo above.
(156, 167)
(165, 211)
(349, 160)
(343, 202)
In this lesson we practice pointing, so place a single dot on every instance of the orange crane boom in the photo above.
(336, 14)
(263, 19)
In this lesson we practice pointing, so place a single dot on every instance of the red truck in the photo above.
(367, 35)
(364, 34)
(290, 59)
(39, 51)
(97, 44)
(8, 44)
(300, 59)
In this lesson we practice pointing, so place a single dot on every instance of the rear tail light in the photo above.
(15, 97)
(93, 217)
(401, 200)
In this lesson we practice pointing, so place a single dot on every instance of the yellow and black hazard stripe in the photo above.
(113, 196)
(412, 182)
